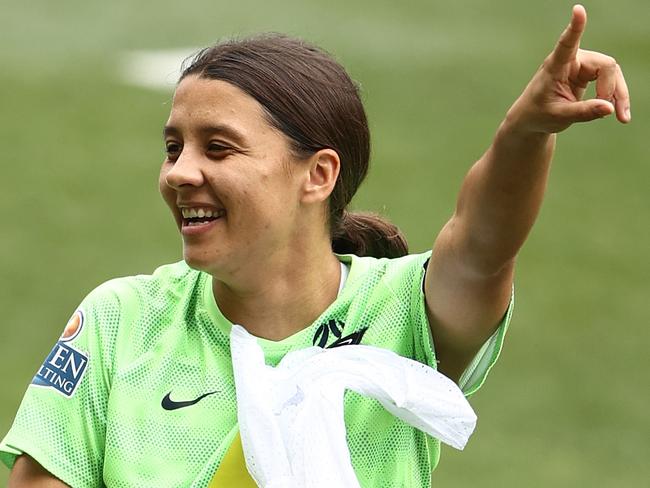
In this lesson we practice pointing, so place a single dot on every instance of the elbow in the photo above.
(486, 254)
(479, 254)
(490, 267)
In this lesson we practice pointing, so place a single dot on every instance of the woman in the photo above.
(267, 142)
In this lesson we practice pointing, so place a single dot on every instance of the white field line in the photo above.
(154, 69)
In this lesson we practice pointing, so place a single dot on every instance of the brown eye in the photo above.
(214, 147)
(218, 151)
(173, 149)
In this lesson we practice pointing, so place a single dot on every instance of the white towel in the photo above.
(285, 448)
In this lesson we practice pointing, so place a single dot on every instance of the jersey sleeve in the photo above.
(61, 421)
(476, 373)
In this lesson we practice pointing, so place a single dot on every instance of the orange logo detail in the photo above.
(73, 326)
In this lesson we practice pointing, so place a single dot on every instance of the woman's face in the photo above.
(226, 177)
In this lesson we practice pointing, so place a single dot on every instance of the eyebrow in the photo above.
(226, 130)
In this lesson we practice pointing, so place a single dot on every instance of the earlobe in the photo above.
(324, 167)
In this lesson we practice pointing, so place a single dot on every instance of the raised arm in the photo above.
(469, 279)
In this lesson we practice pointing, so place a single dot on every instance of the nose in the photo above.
(185, 171)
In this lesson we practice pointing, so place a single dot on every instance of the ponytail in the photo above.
(368, 234)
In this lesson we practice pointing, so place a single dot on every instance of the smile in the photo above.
(200, 216)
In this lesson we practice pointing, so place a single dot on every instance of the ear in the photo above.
(324, 167)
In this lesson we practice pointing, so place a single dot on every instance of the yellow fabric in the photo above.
(232, 471)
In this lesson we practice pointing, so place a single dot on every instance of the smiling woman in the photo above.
(225, 157)
(266, 144)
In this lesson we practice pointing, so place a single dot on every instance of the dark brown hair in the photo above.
(309, 97)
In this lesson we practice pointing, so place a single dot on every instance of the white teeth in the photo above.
(200, 212)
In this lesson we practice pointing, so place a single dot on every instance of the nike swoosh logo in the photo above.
(169, 404)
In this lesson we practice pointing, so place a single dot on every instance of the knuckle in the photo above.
(547, 63)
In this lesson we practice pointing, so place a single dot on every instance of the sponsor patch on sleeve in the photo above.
(65, 366)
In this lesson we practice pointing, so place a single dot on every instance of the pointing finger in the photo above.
(569, 42)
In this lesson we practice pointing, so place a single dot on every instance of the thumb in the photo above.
(585, 110)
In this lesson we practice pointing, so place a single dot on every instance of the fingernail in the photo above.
(628, 114)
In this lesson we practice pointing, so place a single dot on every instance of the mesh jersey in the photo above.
(94, 415)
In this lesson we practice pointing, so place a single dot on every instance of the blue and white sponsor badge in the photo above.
(64, 367)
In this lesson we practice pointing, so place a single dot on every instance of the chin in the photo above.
(199, 261)
(196, 261)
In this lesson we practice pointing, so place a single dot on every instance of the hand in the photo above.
(552, 101)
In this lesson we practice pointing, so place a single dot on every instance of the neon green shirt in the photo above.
(139, 389)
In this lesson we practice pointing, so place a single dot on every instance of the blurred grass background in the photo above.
(568, 404)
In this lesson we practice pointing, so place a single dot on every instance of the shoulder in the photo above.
(389, 288)
(382, 304)
(393, 274)
(168, 280)
(124, 316)
(120, 303)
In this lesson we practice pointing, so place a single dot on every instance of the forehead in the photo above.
(203, 102)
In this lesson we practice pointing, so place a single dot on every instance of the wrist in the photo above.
(514, 128)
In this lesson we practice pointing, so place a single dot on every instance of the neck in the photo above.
(284, 294)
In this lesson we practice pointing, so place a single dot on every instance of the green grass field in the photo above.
(566, 406)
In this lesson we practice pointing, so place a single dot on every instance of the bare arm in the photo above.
(470, 275)
(28, 473)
